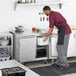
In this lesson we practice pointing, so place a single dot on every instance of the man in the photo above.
(64, 31)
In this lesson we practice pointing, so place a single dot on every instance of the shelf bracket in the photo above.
(15, 5)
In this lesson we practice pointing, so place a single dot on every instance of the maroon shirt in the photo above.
(56, 19)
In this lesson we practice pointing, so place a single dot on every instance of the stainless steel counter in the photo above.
(30, 33)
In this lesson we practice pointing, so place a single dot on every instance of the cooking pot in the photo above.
(19, 29)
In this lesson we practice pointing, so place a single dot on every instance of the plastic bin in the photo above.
(41, 42)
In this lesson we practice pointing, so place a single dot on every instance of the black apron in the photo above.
(61, 34)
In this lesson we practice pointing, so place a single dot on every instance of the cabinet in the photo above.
(72, 45)
(54, 43)
(24, 48)
(27, 49)
(52, 47)
(42, 50)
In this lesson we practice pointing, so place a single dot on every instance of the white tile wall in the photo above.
(69, 11)
(28, 15)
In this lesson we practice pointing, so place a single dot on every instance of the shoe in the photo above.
(55, 65)
(63, 67)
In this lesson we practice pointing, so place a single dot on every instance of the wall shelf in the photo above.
(46, 3)
(35, 4)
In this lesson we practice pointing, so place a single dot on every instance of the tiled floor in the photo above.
(70, 75)
(42, 63)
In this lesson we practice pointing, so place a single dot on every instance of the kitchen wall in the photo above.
(69, 11)
(28, 16)
(6, 14)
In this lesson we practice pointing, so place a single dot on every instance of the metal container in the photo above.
(42, 1)
(4, 42)
(30, 1)
(21, 1)
(26, 1)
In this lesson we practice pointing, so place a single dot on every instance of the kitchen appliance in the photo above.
(6, 46)
(4, 56)
(15, 71)
(42, 47)
(42, 52)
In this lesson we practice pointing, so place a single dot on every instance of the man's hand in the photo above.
(48, 34)
(44, 38)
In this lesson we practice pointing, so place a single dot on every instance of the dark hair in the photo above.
(46, 8)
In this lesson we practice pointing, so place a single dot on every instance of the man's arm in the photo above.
(48, 33)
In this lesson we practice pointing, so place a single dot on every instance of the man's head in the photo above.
(47, 10)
